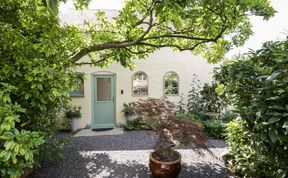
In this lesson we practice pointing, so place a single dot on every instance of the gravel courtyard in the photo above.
(126, 156)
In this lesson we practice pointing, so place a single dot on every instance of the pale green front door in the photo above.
(103, 101)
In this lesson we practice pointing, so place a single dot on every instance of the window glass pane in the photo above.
(171, 83)
(79, 91)
(140, 84)
(103, 89)
(81, 86)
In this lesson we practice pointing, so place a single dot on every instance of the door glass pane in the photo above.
(103, 89)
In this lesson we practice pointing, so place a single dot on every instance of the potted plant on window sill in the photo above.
(164, 161)
(74, 114)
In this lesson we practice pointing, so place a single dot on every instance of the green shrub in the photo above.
(244, 158)
(204, 99)
(34, 63)
(195, 103)
(211, 100)
(189, 116)
(127, 110)
(215, 128)
(228, 116)
(257, 87)
(73, 112)
(18, 148)
(134, 124)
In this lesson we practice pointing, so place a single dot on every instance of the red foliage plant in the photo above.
(175, 132)
(154, 107)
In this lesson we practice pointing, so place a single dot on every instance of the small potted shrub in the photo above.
(164, 161)
(74, 114)
(129, 112)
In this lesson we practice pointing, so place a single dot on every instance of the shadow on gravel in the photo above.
(128, 141)
(101, 166)
(202, 170)
(83, 159)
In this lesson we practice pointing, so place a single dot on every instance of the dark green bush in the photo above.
(127, 110)
(214, 128)
(228, 116)
(73, 113)
(189, 116)
(204, 99)
(211, 100)
(18, 147)
(244, 158)
(34, 76)
(134, 124)
(257, 86)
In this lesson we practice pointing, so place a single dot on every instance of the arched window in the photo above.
(171, 83)
(140, 84)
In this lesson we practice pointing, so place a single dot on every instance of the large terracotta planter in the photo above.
(161, 169)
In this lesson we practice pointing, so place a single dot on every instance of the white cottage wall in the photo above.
(155, 66)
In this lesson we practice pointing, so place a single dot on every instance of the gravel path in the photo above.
(126, 156)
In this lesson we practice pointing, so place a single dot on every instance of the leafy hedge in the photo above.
(258, 87)
(18, 148)
(214, 127)
(35, 79)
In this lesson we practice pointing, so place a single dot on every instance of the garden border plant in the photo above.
(257, 85)
(148, 113)
(204, 100)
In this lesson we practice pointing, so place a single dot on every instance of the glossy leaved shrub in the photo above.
(257, 86)
(18, 147)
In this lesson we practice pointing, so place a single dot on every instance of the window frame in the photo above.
(178, 80)
(132, 82)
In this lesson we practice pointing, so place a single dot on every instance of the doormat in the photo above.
(102, 129)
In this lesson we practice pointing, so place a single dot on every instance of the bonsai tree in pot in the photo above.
(74, 114)
(164, 161)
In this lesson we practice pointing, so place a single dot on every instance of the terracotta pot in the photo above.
(27, 172)
(161, 169)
